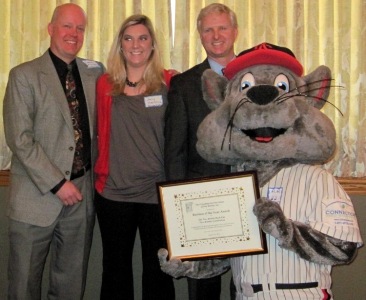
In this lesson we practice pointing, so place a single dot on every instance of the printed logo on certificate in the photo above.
(212, 216)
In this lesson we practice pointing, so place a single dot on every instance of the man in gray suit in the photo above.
(218, 29)
(49, 120)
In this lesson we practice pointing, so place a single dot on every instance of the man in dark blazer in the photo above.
(217, 26)
(50, 207)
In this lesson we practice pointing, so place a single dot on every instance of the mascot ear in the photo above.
(318, 86)
(213, 88)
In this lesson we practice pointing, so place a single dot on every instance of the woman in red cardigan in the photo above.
(131, 102)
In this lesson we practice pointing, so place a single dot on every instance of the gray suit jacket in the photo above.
(39, 132)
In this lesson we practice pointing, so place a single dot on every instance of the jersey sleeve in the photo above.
(334, 214)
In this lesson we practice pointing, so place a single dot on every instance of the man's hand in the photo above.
(69, 194)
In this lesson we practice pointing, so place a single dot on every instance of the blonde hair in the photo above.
(116, 65)
(217, 8)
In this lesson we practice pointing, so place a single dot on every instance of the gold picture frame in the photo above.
(212, 216)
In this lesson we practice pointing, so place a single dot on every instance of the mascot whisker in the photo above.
(266, 117)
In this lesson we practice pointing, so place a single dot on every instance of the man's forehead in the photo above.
(216, 19)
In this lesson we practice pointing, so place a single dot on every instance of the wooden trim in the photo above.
(4, 178)
(352, 185)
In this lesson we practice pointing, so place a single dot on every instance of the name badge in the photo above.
(153, 101)
(91, 64)
(275, 194)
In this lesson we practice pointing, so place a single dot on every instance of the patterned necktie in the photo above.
(75, 117)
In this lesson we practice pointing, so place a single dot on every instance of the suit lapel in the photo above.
(87, 75)
(202, 67)
(50, 79)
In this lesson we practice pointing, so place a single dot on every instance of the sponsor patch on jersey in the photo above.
(339, 212)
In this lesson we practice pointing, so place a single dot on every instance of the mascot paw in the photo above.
(271, 218)
(173, 267)
(198, 269)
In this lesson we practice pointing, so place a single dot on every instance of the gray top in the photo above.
(136, 148)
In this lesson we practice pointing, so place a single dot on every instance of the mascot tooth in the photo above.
(266, 117)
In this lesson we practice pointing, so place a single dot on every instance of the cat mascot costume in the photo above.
(266, 117)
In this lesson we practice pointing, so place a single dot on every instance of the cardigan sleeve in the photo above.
(167, 76)
(104, 103)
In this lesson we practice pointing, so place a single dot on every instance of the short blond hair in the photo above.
(216, 8)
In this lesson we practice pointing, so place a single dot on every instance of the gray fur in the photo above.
(195, 269)
(307, 136)
(301, 238)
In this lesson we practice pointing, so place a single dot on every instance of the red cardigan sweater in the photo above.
(104, 104)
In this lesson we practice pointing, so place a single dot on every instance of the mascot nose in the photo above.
(262, 94)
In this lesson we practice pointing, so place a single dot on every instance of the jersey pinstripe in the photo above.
(310, 195)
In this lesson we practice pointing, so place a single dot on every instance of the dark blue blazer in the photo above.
(185, 111)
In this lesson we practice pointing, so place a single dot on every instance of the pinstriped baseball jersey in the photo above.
(310, 195)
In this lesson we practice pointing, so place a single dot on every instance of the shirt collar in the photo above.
(215, 66)
(60, 65)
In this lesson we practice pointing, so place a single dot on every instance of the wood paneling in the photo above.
(4, 178)
(353, 186)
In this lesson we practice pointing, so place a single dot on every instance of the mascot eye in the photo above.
(282, 82)
(247, 81)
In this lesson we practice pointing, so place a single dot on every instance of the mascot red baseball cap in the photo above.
(264, 54)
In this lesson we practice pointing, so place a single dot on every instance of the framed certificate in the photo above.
(212, 216)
